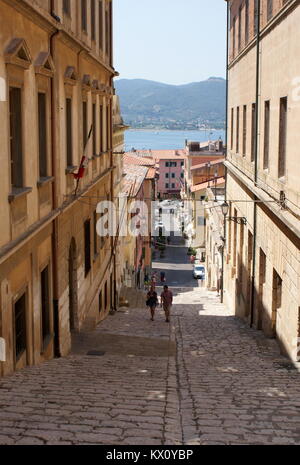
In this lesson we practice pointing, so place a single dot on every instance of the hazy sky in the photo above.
(171, 41)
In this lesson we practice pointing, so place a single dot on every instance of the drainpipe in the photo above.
(114, 241)
(226, 129)
(54, 200)
(257, 102)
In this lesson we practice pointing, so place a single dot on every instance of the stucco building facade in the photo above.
(56, 64)
(262, 257)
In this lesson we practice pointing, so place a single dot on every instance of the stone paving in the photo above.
(225, 384)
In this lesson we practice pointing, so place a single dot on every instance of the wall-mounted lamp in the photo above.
(235, 219)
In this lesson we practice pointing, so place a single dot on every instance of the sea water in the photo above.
(167, 140)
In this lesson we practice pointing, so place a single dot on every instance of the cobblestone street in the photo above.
(206, 378)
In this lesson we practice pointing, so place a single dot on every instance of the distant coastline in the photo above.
(175, 130)
(167, 139)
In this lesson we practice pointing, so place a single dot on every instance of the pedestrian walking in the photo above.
(153, 280)
(162, 276)
(152, 302)
(166, 302)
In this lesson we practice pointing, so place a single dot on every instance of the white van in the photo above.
(199, 271)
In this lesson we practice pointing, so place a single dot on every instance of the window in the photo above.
(173, 175)
(233, 38)
(182, 163)
(266, 135)
(246, 22)
(269, 9)
(231, 129)
(84, 15)
(253, 132)
(256, 17)
(101, 128)
(173, 185)
(107, 127)
(93, 19)
(240, 29)
(45, 303)
(94, 130)
(84, 124)
(95, 234)
(237, 129)
(234, 238)
(16, 142)
(167, 175)
(110, 31)
(167, 186)
(20, 326)
(42, 115)
(100, 302)
(244, 129)
(101, 25)
(167, 164)
(105, 296)
(182, 175)
(87, 246)
(282, 137)
(66, 7)
(106, 32)
(69, 141)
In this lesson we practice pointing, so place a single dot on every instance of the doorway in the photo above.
(276, 301)
(249, 272)
(261, 285)
(20, 332)
(73, 297)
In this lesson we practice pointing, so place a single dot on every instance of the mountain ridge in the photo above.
(153, 104)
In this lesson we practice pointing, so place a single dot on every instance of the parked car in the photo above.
(199, 272)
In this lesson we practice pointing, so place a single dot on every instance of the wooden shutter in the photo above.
(282, 137)
(69, 139)
(84, 124)
(87, 246)
(93, 19)
(16, 143)
(42, 134)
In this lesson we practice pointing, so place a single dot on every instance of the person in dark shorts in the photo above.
(152, 301)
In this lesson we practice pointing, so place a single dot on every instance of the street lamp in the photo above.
(235, 219)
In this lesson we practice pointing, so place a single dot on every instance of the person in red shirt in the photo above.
(166, 302)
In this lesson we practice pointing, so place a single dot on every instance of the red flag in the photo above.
(84, 160)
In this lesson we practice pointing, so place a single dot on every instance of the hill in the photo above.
(151, 104)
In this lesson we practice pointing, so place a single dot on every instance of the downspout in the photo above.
(112, 175)
(257, 102)
(54, 201)
(226, 148)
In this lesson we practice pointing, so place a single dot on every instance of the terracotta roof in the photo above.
(213, 162)
(133, 179)
(151, 173)
(169, 154)
(136, 160)
(204, 185)
(161, 154)
(199, 160)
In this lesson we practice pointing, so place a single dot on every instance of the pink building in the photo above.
(171, 171)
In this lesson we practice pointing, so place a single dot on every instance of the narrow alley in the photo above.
(206, 378)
